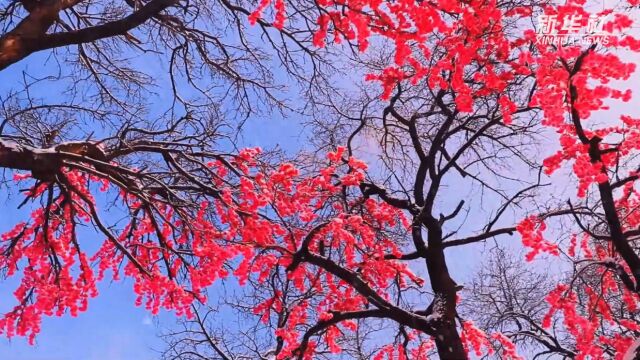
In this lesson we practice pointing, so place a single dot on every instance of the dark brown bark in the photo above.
(45, 163)
(605, 189)
(30, 35)
(618, 238)
(17, 43)
(42, 164)
(447, 339)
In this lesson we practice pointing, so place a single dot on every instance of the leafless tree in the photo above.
(512, 297)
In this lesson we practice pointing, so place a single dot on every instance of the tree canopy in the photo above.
(436, 126)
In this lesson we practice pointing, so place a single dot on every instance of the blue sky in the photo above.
(113, 328)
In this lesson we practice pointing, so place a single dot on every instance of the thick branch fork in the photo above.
(30, 35)
(44, 163)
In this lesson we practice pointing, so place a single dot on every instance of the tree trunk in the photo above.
(17, 43)
(447, 339)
